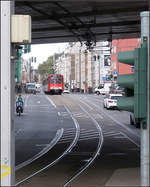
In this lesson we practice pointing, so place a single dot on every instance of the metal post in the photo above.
(145, 132)
(86, 71)
(99, 77)
(7, 99)
(92, 71)
(80, 68)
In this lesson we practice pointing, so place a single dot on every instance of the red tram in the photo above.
(54, 84)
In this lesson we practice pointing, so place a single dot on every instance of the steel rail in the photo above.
(112, 118)
(57, 137)
(97, 153)
(68, 150)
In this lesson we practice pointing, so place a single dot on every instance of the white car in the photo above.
(66, 91)
(110, 101)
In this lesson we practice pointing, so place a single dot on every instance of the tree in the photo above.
(46, 68)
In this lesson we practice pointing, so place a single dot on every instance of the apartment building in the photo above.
(83, 69)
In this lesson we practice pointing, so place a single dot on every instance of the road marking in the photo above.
(107, 132)
(81, 153)
(59, 114)
(80, 115)
(98, 116)
(38, 102)
(86, 105)
(112, 118)
(41, 145)
(7, 171)
(26, 100)
(130, 139)
(51, 102)
(111, 134)
(38, 106)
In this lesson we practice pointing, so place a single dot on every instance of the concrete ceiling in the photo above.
(85, 20)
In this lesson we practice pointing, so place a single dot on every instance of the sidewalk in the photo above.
(125, 177)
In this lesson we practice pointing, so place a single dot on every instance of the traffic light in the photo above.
(19, 53)
(18, 64)
(136, 83)
(27, 48)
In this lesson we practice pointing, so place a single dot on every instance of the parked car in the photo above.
(104, 90)
(118, 90)
(66, 90)
(110, 101)
(134, 121)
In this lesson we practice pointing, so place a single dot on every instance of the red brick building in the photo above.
(122, 45)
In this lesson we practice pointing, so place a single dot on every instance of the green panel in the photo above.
(18, 65)
(135, 84)
(126, 57)
(126, 103)
(140, 92)
(126, 81)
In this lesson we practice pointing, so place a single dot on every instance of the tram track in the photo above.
(121, 139)
(41, 158)
(79, 136)
(97, 152)
(106, 116)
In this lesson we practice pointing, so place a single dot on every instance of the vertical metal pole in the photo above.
(91, 77)
(99, 77)
(80, 68)
(7, 100)
(145, 132)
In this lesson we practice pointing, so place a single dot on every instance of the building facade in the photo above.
(122, 45)
(84, 69)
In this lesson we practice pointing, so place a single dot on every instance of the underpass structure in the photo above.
(59, 21)
(84, 21)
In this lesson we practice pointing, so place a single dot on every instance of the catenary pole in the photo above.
(80, 68)
(7, 97)
(145, 131)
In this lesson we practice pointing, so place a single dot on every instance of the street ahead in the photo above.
(71, 139)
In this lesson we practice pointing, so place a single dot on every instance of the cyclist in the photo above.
(19, 98)
(19, 102)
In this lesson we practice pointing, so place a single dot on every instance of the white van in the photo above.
(30, 88)
(104, 90)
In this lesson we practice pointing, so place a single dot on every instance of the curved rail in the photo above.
(59, 134)
(64, 153)
(113, 119)
(99, 147)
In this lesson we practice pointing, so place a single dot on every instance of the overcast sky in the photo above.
(43, 51)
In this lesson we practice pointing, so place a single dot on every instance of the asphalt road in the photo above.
(95, 142)
(35, 128)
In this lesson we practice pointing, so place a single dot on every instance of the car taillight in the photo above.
(109, 101)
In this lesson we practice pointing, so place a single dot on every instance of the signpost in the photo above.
(7, 99)
(145, 131)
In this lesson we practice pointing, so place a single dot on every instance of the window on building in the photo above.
(107, 61)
